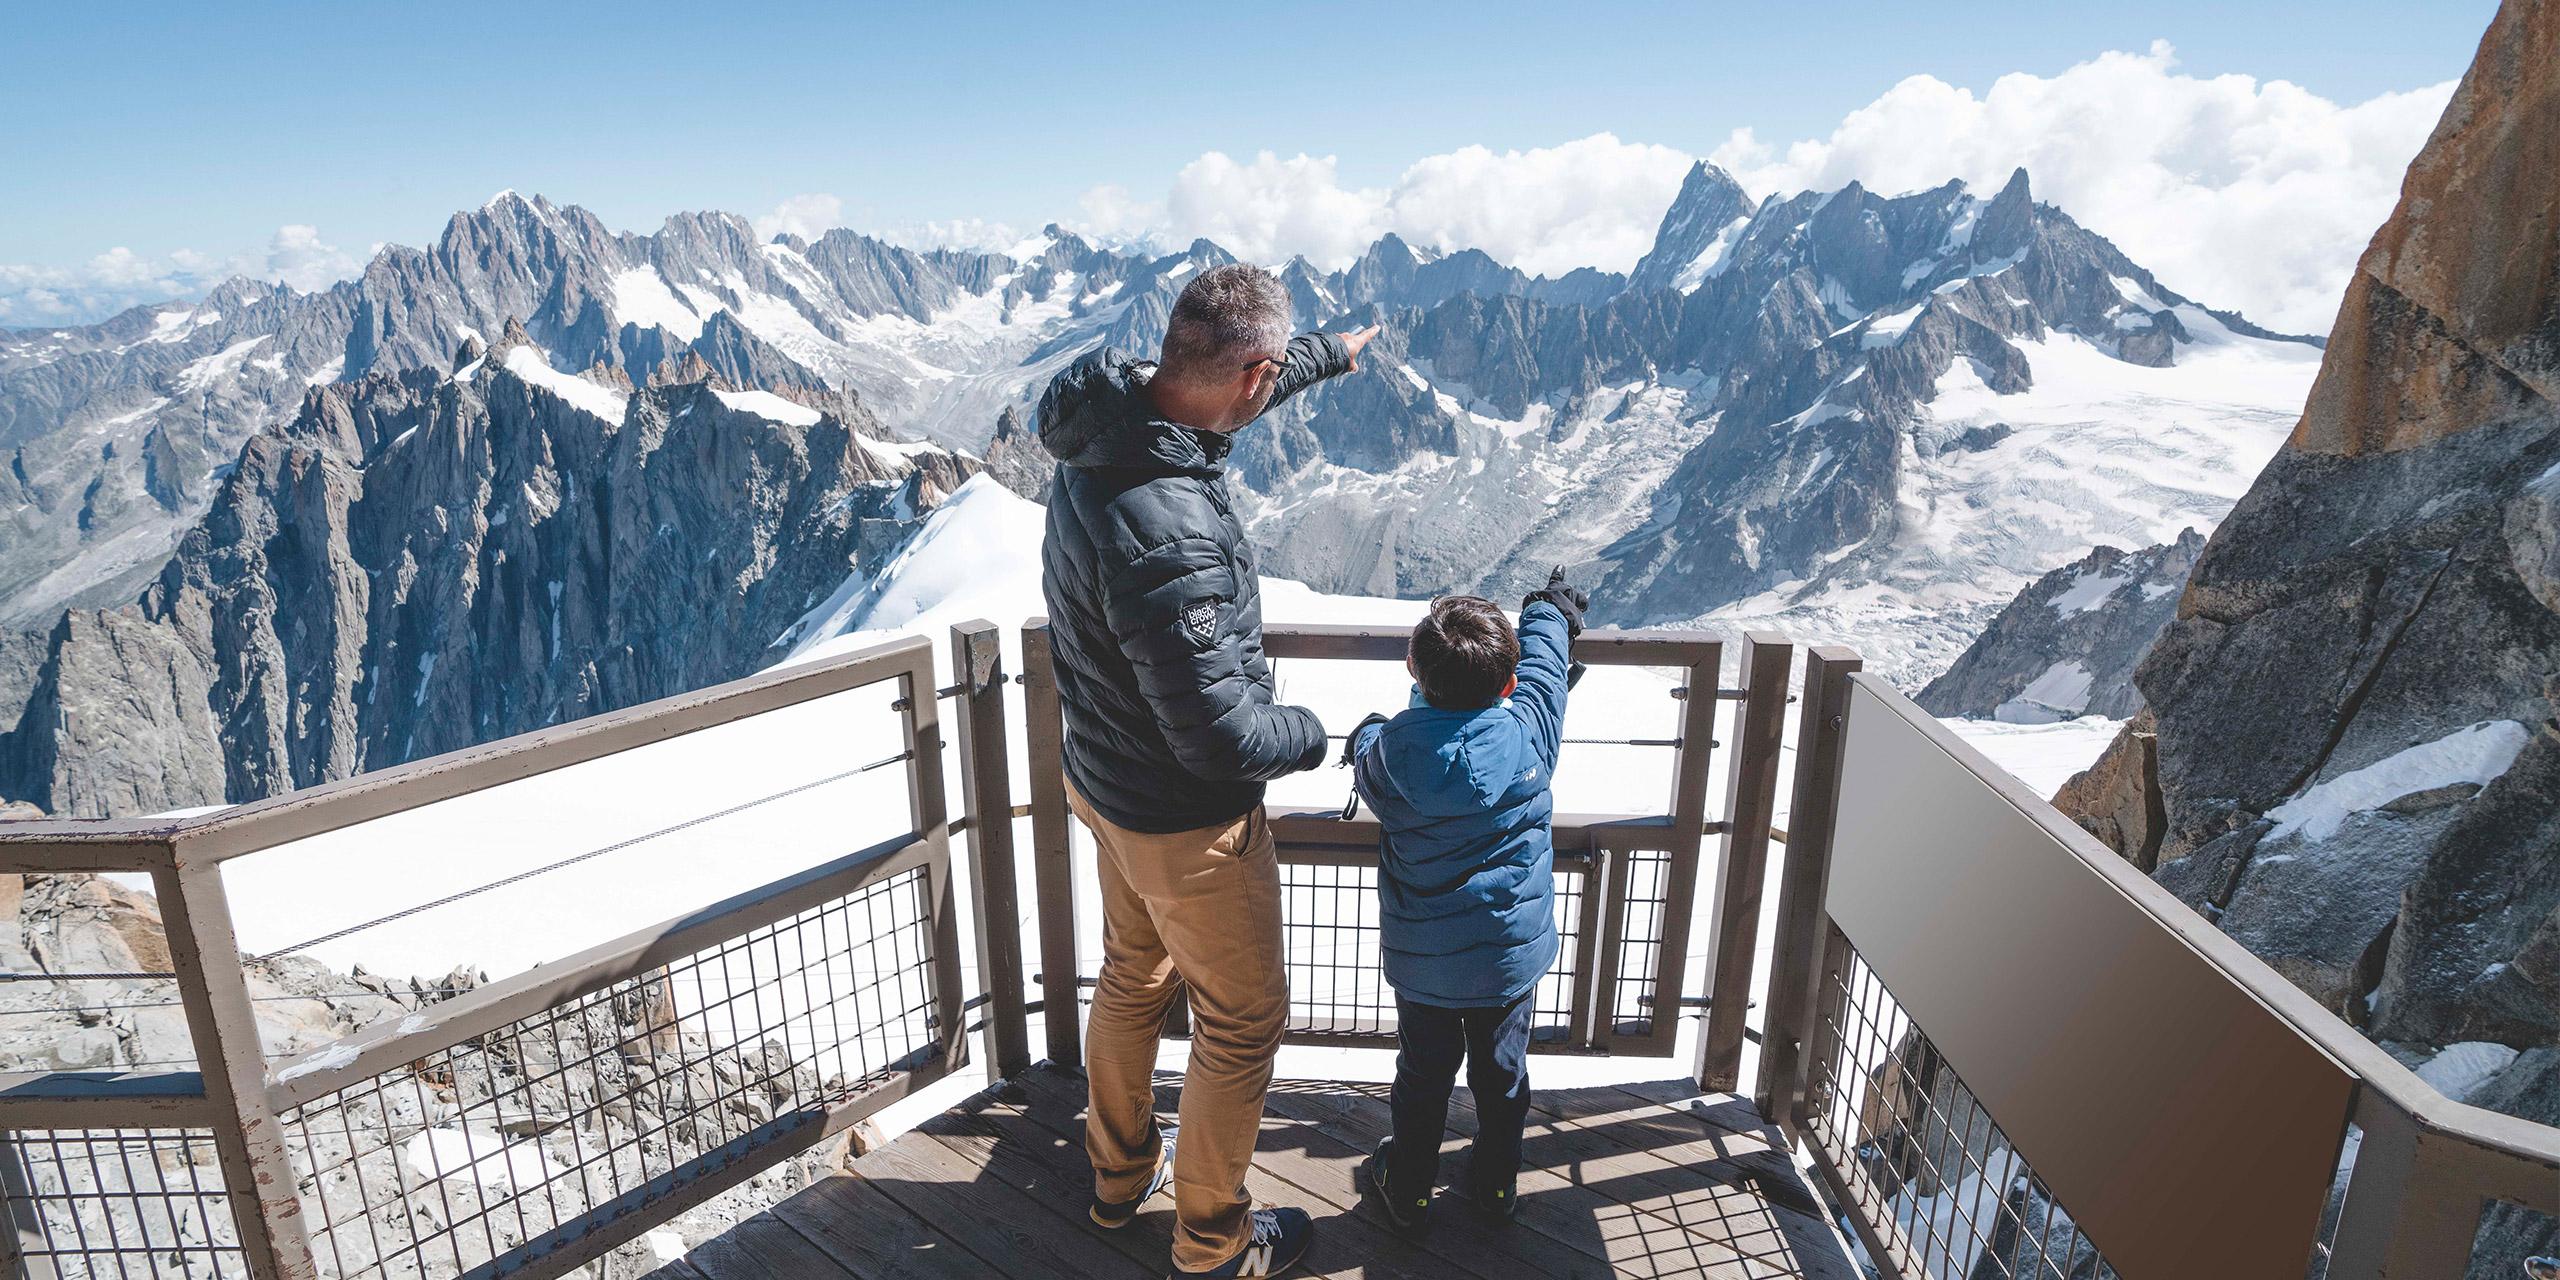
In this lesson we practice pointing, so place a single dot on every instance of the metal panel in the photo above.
(1691, 763)
(2189, 1130)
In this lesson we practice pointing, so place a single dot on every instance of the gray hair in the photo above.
(1226, 318)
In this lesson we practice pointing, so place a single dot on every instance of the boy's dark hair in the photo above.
(1464, 653)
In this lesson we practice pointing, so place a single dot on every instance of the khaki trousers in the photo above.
(1197, 909)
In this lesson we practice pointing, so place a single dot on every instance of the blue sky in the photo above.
(206, 127)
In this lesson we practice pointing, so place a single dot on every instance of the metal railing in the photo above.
(2003, 1051)
(1626, 883)
(2007, 1052)
(523, 1127)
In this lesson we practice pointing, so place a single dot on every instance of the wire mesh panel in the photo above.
(489, 1155)
(117, 1202)
(1927, 1172)
(1645, 875)
(1337, 979)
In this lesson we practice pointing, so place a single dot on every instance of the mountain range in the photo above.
(1854, 416)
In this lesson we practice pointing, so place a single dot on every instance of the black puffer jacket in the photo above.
(1154, 609)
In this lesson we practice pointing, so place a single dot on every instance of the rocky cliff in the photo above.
(2357, 764)
(420, 561)
(2066, 647)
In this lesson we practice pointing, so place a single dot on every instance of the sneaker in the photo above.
(1280, 1238)
(1503, 1202)
(1405, 1213)
(1111, 1215)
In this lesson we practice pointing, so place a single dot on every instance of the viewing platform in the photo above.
(1642, 1180)
(1930, 1027)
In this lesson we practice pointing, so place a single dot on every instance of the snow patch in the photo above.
(641, 298)
(2477, 753)
(481, 1157)
(2061, 693)
(765, 404)
(2461, 1068)
(602, 401)
(2090, 593)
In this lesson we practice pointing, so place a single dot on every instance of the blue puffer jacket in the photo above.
(1466, 889)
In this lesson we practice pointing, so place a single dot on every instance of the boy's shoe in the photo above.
(1280, 1238)
(1503, 1202)
(1405, 1213)
(1111, 1215)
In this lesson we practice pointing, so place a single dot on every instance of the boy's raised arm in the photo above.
(1550, 618)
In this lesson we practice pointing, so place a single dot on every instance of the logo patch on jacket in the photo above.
(1200, 618)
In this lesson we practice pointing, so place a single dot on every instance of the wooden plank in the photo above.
(997, 1134)
(1009, 1227)
(1345, 1245)
(1612, 1238)
(858, 1230)
(765, 1245)
(1660, 1123)
(680, 1269)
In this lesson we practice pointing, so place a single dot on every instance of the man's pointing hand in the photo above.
(1353, 342)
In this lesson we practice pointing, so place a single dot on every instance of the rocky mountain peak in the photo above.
(1699, 220)
(2008, 222)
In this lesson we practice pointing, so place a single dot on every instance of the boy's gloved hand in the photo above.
(1351, 744)
(1568, 599)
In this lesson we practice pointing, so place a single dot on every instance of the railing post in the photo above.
(1798, 955)
(2406, 1216)
(1690, 763)
(1052, 861)
(1751, 796)
(986, 799)
(928, 809)
(256, 1172)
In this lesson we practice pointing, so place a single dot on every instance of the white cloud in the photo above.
(808, 216)
(2243, 193)
(958, 233)
(120, 278)
(1591, 202)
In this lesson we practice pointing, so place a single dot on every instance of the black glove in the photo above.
(1568, 599)
(1351, 745)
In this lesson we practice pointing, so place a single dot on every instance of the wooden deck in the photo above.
(1644, 1180)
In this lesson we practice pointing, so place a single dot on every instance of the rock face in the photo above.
(2358, 766)
(420, 562)
(2066, 647)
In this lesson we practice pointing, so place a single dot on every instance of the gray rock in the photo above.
(416, 564)
(2066, 647)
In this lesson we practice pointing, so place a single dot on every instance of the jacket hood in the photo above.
(1449, 764)
(1096, 414)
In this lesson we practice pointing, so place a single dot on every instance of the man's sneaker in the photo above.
(1111, 1215)
(1405, 1213)
(1280, 1238)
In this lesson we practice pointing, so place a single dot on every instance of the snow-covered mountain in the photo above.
(1847, 414)
(1850, 416)
(423, 560)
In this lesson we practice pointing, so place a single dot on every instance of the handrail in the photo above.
(2427, 1163)
(2352, 1050)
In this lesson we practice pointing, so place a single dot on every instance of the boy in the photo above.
(1466, 884)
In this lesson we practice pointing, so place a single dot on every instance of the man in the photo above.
(1171, 731)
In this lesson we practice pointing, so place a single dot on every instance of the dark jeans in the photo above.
(1495, 1045)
